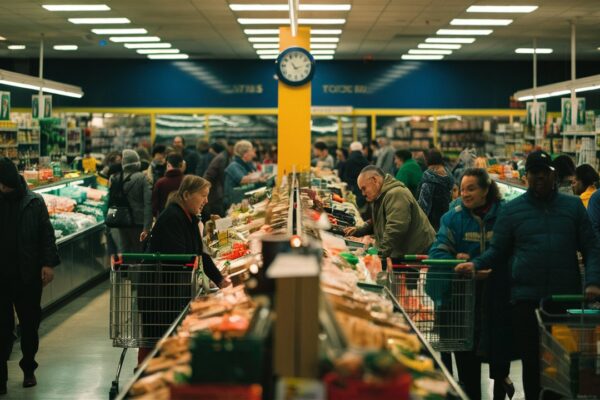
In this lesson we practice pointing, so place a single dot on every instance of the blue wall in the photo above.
(250, 83)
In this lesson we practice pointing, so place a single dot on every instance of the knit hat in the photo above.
(356, 146)
(130, 159)
(9, 176)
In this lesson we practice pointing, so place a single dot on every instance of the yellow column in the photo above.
(340, 133)
(373, 126)
(354, 130)
(207, 127)
(152, 128)
(436, 135)
(293, 133)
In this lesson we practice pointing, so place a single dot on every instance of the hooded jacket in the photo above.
(400, 226)
(139, 196)
(435, 195)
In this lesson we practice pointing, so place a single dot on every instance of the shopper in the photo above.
(215, 174)
(158, 166)
(435, 190)
(204, 156)
(322, 157)
(341, 156)
(136, 189)
(29, 255)
(190, 156)
(111, 165)
(240, 171)
(145, 159)
(537, 237)
(586, 182)
(168, 183)
(465, 232)
(398, 223)
(565, 173)
(409, 172)
(355, 164)
(385, 156)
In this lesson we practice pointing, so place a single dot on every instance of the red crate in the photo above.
(216, 392)
(356, 389)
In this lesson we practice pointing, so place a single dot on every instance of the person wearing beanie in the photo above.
(29, 254)
(138, 193)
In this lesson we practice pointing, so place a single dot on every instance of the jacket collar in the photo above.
(173, 173)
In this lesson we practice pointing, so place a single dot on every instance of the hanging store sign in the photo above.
(4, 106)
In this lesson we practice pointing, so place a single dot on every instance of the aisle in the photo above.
(76, 357)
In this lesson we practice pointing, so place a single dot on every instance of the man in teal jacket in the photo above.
(409, 172)
(539, 234)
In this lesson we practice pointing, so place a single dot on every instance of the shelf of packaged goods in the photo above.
(8, 146)
(457, 131)
(8, 129)
(28, 143)
(61, 182)
(583, 134)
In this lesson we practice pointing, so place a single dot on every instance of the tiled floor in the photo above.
(76, 357)
(77, 360)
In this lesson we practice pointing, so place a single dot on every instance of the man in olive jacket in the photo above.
(29, 254)
(398, 223)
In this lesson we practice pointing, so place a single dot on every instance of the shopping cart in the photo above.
(439, 301)
(569, 347)
(147, 293)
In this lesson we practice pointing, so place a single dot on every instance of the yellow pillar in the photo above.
(207, 127)
(152, 128)
(354, 130)
(436, 135)
(293, 133)
(373, 127)
(340, 133)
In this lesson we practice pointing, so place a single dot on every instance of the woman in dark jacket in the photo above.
(465, 231)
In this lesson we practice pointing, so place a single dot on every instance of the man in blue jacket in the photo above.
(538, 234)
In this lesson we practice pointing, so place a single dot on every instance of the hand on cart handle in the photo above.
(467, 268)
(47, 275)
(482, 274)
(462, 256)
(144, 235)
(592, 292)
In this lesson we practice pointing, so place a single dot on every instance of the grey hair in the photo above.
(242, 147)
(372, 170)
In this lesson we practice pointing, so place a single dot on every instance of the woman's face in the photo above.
(195, 202)
(473, 196)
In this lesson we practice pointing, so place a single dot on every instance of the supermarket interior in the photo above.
(300, 199)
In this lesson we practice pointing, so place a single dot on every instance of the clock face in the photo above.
(295, 66)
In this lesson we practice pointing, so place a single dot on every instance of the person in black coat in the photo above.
(29, 254)
(354, 165)
(215, 174)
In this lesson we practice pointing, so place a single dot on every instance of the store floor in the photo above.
(77, 360)
(76, 357)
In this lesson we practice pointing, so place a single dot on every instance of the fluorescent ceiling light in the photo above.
(266, 46)
(2, 38)
(168, 56)
(324, 40)
(481, 22)
(440, 46)
(157, 51)
(587, 88)
(501, 9)
(325, 31)
(91, 21)
(322, 52)
(421, 57)
(17, 47)
(133, 31)
(323, 45)
(261, 31)
(445, 52)
(560, 93)
(147, 45)
(323, 57)
(128, 39)
(266, 52)
(285, 7)
(34, 83)
(286, 21)
(268, 57)
(531, 51)
(76, 7)
(450, 40)
(560, 88)
(263, 39)
(525, 98)
(476, 32)
(65, 47)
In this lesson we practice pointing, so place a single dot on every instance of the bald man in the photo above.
(398, 223)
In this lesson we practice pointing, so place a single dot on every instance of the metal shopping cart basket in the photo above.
(569, 347)
(440, 302)
(147, 293)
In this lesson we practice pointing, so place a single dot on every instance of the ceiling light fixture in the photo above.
(421, 57)
(263, 39)
(560, 88)
(168, 56)
(76, 7)
(157, 51)
(323, 46)
(325, 57)
(450, 40)
(147, 45)
(2, 38)
(268, 57)
(481, 22)
(322, 52)
(17, 47)
(34, 83)
(285, 7)
(266, 52)
(440, 46)
(475, 32)
(133, 31)
(99, 21)
(65, 47)
(266, 46)
(261, 31)
(325, 31)
(129, 39)
(538, 50)
(444, 52)
(501, 9)
(286, 21)
(324, 40)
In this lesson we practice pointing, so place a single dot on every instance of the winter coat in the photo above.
(177, 232)
(435, 195)
(203, 162)
(410, 174)
(139, 196)
(355, 163)
(36, 243)
(163, 188)
(192, 158)
(385, 160)
(398, 223)
(538, 239)
(215, 174)
(234, 173)
(587, 195)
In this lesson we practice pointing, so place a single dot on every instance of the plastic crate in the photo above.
(356, 389)
(216, 392)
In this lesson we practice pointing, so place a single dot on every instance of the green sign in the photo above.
(5, 106)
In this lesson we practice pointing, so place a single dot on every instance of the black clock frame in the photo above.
(283, 78)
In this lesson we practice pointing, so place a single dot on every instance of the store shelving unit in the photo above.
(8, 141)
(74, 142)
(29, 147)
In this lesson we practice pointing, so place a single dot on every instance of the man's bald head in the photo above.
(370, 181)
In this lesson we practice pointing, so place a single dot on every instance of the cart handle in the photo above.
(567, 298)
(154, 257)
